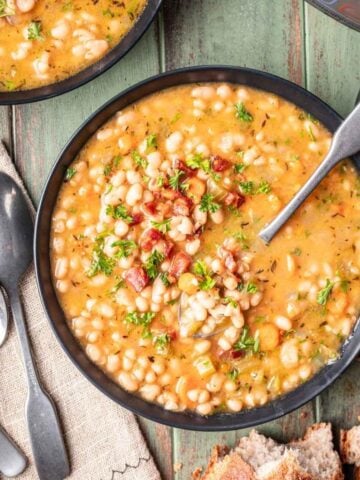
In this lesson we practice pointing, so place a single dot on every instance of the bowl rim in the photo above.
(335, 15)
(93, 70)
(186, 420)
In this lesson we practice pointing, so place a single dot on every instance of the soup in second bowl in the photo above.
(42, 42)
(157, 263)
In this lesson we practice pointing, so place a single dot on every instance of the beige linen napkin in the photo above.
(104, 441)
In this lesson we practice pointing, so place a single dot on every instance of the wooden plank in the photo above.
(333, 73)
(264, 35)
(159, 440)
(5, 126)
(332, 60)
(43, 128)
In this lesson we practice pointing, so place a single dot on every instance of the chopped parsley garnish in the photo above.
(162, 342)
(248, 343)
(100, 262)
(207, 284)
(126, 247)
(138, 159)
(344, 285)
(174, 180)
(251, 288)
(108, 13)
(152, 264)
(200, 268)
(160, 181)
(230, 301)
(263, 187)
(242, 114)
(297, 251)
(119, 284)
(119, 212)
(164, 277)
(34, 31)
(9, 84)
(324, 294)
(69, 174)
(163, 226)
(108, 169)
(140, 320)
(233, 374)
(6, 9)
(241, 238)
(175, 118)
(239, 167)
(248, 188)
(234, 211)
(198, 161)
(311, 134)
(151, 141)
(207, 203)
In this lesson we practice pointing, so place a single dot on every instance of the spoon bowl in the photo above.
(15, 242)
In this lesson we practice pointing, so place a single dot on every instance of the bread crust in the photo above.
(226, 464)
(338, 475)
(349, 451)
(218, 452)
(289, 469)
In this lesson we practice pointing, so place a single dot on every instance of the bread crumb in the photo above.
(177, 467)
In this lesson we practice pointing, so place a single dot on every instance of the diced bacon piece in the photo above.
(149, 239)
(169, 193)
(180, 264)
(136, 219)
(181, 165)
(219, 164)
(237, 353)
(150, 208)
(234, 199)
(137, 278)
(182, 206)
(169, 245)
(172, 334)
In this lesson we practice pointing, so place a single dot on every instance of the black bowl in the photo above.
(93, 70)
(217, 422)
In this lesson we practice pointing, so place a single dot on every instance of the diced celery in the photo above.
(204, 366)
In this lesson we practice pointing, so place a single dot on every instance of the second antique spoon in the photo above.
(16, 239)
(346, 142)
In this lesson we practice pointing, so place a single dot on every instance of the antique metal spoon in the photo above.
(12, 461)
(4, 317)
(346, 142)
(16, 239)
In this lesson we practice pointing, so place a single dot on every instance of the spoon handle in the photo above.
(44, 427)
(4, 317)
(346, 142)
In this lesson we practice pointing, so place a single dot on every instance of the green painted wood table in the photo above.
(285, 37)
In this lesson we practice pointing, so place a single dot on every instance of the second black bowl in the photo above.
(93, 70)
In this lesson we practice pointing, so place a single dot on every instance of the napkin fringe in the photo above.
(129, 466)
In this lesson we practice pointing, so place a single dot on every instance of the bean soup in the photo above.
(44, 42)
(156, 260)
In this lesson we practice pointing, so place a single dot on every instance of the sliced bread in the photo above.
(316, 453)
(225, 466)
(350, 445)
(257, 457)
